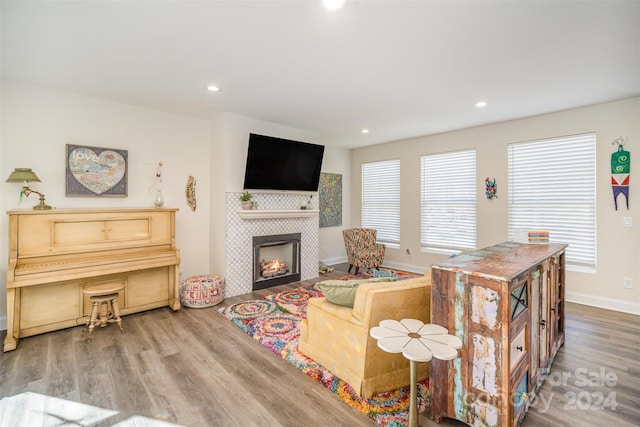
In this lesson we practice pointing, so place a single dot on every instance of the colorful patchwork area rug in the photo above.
(274, 322)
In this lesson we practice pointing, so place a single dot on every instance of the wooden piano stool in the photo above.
(65, 263)
(104, 306)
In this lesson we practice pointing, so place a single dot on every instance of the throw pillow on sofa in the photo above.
(343, 292)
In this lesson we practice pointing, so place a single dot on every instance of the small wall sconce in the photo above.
(25, 175)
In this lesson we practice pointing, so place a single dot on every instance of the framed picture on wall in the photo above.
(330, 190)
(96, 171)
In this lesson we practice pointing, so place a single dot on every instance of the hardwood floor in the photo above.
(195, 368)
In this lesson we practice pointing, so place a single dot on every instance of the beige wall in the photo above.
(229, 141)
(338, 161)
(218, 168)
(618, 248)
(230, 134)
(38, 122)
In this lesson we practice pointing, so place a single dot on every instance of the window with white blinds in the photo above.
(552, 186)
(381, 200)
(448, 209)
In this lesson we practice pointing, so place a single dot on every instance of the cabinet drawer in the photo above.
(518, 348)
(520, 398)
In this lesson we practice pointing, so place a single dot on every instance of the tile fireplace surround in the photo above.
(240, 232)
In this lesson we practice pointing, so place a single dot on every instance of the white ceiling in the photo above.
(398, 68)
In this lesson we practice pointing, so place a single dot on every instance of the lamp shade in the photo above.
(23, 174)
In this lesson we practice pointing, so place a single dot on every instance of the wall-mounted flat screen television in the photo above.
(282, 164)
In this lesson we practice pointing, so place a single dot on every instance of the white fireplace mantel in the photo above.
(249, 214)
(278, 214)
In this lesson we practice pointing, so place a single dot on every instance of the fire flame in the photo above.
(269, 268)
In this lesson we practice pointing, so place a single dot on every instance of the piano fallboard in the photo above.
(40, 270)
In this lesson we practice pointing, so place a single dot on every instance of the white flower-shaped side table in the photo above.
(418, 342)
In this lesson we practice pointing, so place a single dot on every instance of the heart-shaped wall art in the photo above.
(97, 173)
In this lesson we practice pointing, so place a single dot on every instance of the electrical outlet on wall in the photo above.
(628, 283)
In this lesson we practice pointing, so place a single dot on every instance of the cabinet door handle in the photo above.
(553, 309)
(543, 323)
(519, 348)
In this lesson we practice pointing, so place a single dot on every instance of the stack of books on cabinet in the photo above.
(532, 237)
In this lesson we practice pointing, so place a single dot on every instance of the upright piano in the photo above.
(55, 254)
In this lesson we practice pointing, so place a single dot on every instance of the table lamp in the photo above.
(25, 175)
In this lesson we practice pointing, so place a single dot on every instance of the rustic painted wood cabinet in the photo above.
(506, 304)
(54, 254)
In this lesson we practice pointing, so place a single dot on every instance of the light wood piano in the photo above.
(54, 254)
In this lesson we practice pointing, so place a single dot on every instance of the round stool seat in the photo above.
(202, 291)
(103, 298)
(102, 289)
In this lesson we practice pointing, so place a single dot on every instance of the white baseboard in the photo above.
(601, 302)
(393, 265)
(3, 323)
(333, 261)
(406, 267)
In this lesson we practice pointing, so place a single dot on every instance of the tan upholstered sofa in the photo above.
(337, 337)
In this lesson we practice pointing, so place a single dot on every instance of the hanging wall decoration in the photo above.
(190, 193)
(490, 188)
(620, 172)
(330, 203)
(156, 188)
(96, 171)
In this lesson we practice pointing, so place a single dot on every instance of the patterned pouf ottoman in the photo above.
(202, 291)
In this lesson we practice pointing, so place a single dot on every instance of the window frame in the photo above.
(380, 202)
(439, 188)
(543, 187)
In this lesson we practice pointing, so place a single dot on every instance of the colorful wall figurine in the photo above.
(620, 172)
(490, 188)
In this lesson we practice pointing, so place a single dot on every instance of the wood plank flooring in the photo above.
(195, 368)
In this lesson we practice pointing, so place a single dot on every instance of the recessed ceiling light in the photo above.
(332, 4)
(213, 88)
(481, 104)
(364, 131)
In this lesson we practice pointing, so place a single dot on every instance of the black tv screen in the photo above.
(282, 164)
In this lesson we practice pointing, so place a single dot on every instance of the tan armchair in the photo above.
(362, 249)
(337, 337)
